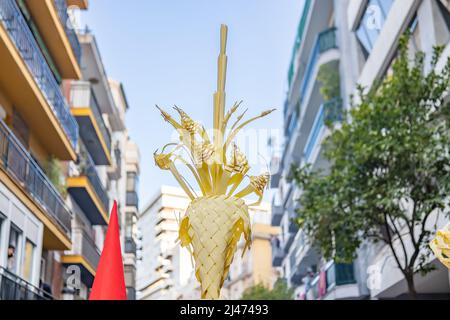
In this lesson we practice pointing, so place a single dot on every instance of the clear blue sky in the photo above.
(165, 52)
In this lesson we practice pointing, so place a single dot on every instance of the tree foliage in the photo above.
(389, 174)
(280, 291)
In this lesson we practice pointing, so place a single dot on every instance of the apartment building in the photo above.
(65, 149)
(354, 41)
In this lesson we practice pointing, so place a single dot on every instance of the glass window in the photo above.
(28, 261)
(13, 249)
(372, 22)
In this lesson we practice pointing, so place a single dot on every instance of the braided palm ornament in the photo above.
(215, 220)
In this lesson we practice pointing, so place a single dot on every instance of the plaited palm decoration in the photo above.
(441, 245)
(215, 220)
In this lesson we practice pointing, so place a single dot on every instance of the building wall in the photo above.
(359, 66)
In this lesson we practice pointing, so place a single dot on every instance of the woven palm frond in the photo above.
(215, 221)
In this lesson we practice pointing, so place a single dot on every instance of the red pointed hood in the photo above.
(109, 282)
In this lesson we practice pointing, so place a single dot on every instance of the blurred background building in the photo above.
(65, 154)
(355, 41)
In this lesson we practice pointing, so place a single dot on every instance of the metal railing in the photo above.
(330, 111)
(61, 7)
(82, 95)
(336, 274)
(84, 245)
(87, 168)
(13, 287)
(21, 166)
(20, 33)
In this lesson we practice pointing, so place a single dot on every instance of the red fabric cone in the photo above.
(109, 282)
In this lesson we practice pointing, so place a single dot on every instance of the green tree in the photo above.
(389, 169)
(280, 291)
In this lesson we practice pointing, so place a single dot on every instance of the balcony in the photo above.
(30, 183)
(13, 287)
(277, 252)
(29, 84)
(95, 71)
(87, 190)
(132, 199)
(83, 254)
(329, 112)
(58, 33)
(93, 130)
(304, 257)
(292, 223)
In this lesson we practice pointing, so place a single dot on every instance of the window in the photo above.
(371, 23)
(132, 181)
(13, 249)
(28, 258)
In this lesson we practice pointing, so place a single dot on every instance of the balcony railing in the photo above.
(61, 7)
(298, 40)
(132, 199)
(85, 246)
(336, 274)
(87, 168)
(82, 95)
(13, 287)
(21, 166)
(328, 112)
(277, 214)
(20, 33)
